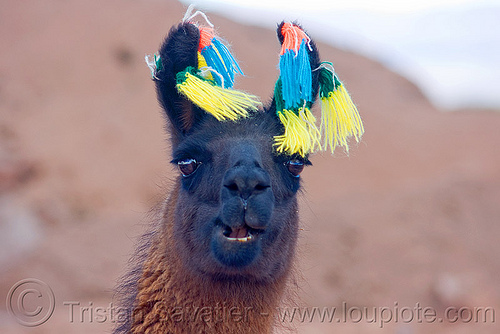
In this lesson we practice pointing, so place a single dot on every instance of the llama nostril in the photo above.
(232, 187)
(261, 187)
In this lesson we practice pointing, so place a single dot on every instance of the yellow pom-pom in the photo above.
(301, 134)
(202, 63)
(219, 102)
(339, 119)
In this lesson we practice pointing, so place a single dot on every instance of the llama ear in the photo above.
(178, 52)
(301, 77)
(296, 90)
(194, 72)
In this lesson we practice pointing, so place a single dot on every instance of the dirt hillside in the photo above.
(410, 217)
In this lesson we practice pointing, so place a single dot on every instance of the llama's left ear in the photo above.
(302, 75)
(296, 90)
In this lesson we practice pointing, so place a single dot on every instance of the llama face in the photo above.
(236, 211)
(237, 202)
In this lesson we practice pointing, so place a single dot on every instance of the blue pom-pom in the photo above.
(288, 72)
(296, 76)
(221, 60)
(304, 74)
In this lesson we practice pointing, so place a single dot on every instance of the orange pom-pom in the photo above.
(206, 36)
(292, 37)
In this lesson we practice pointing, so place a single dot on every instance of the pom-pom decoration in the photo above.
(222, 103)
(339, 116)
(295, 68)
(293, 95)
(218, 57)
(154, 64)
(208, 84)
(301, 134)
(213, 53)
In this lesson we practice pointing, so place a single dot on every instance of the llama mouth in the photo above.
(235, 247)
(240, 234)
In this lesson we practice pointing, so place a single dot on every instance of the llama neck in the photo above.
(172, 299)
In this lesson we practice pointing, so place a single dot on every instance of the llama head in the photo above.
(239, 162)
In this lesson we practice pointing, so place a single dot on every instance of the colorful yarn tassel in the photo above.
(301, 134)
(293, 95)
(218, 57)
(154, 63)
(340, 119)
(295, 68)
(220, 102)
(202, 64)
(208, 86)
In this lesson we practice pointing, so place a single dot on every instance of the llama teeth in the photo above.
(244, 239)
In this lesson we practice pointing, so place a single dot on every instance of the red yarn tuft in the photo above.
(206, 36)
(292, 37)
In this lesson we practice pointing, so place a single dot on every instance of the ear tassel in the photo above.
(202, 64)
(218, 57)
(340, 119)
(208, 85)
(154, 63)
(295, 68)
(301, 133)
(293, 95)
(219, 102)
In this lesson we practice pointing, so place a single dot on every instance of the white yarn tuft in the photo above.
(189, 16)
(206, 69)
(150, 60)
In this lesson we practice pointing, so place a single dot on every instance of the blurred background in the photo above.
(410, 216)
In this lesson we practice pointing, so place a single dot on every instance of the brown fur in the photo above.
(172, 299)
(192, 274)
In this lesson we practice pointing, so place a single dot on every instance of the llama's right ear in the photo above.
(194, 72)
(178, 52)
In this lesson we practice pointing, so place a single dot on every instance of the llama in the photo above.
(220, 258)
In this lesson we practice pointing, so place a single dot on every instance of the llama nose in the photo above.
(245, 181)
(247, 198)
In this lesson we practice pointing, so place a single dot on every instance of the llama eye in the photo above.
(188, 166)
(295, 167)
